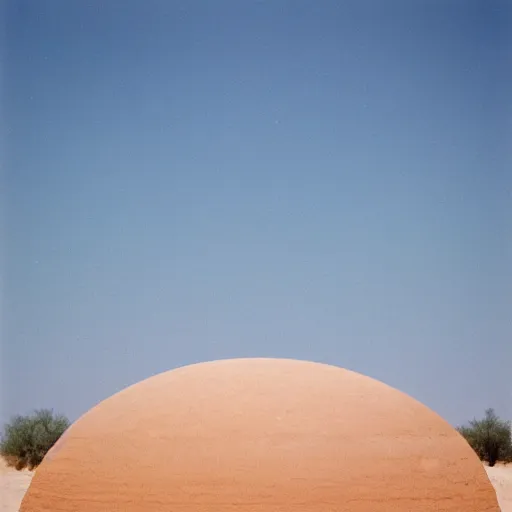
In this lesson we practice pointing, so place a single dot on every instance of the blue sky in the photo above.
(187, 181)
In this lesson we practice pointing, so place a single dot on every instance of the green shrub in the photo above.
(490, 437)
(27, 439)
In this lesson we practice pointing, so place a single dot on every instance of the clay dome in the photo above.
(261, 435)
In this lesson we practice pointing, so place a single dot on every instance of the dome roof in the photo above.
(260, 435)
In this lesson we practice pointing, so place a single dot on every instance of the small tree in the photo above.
(490, 437)
(27, 439)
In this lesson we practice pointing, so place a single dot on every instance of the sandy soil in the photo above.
(501, 478)
(13, 485)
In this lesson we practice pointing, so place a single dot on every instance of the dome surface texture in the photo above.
(260, 435)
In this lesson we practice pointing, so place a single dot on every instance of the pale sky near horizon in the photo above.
(197, 180)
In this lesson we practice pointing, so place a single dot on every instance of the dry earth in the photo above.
(13, 485)
(501, 479)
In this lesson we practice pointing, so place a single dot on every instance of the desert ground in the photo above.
(13, 485)
(501, 479)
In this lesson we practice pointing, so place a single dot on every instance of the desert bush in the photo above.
(490, 437)
(27, 439)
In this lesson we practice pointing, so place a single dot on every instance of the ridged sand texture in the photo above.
(260, 435)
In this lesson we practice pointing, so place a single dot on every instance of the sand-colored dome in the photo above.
(260, 435)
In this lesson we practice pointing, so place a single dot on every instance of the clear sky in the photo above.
(195, 180)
